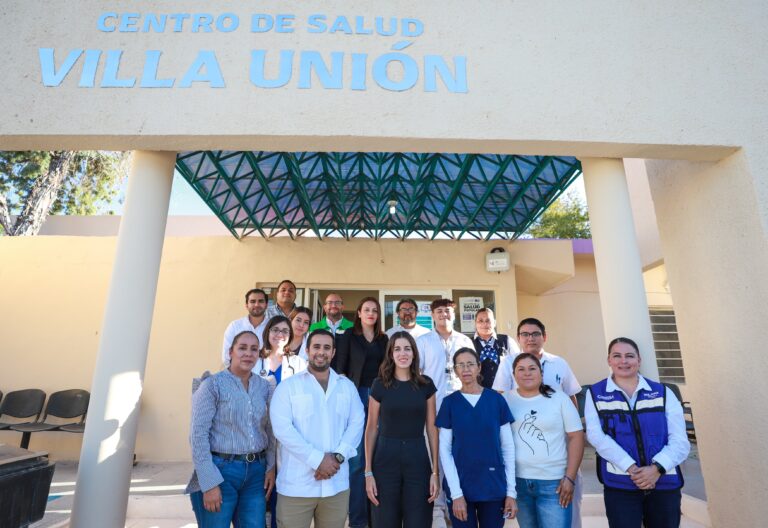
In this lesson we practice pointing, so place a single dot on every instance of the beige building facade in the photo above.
(677, 85)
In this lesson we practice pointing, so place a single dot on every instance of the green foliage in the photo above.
(92, 182)
(567, 217)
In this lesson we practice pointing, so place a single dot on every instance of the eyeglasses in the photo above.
(526, 335)
(404, 309)
(283, 331)
(464, 366)
(333, 303)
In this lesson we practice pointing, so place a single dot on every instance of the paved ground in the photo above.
(157, 493)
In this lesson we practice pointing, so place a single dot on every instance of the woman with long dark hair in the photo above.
(360, 353)
(549, 444)
(401, 478)
(301, 318)
(476, 449)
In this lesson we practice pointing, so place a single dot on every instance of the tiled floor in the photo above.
(157, 501)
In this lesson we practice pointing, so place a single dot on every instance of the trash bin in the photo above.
(25, 478)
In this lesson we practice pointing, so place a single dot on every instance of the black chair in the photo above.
(687, 412)
(64, 404)
(21, 404)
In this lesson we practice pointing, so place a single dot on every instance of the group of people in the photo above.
(402, 428)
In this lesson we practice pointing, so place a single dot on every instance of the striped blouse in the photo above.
(228, 419)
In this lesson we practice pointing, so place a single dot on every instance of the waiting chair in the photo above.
(21, 404)
(64, 404)
(687, 412)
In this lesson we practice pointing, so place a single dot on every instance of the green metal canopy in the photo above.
(376, 195)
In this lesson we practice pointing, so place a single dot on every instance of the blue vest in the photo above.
(641, 432)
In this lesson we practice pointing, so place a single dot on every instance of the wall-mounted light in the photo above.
(392, 207)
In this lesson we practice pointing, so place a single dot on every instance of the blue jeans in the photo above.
(358, 498)
(539, 505)
(242, 493)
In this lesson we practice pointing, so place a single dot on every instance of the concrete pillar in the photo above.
(617, 258)
(104, 474)
(716, 253)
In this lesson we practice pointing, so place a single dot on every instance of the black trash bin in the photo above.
(25, 479)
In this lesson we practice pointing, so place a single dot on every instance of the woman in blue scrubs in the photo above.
(477, 450)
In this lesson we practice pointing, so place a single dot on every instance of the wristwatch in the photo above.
(339, 457)
(661, 469)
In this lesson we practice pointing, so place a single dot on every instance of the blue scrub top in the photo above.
(277, 373)
(476, 445)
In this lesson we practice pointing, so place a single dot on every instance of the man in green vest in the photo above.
(334, 321)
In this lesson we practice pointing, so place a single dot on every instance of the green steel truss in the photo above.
(348, 194)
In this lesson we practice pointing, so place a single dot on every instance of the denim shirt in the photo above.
(228, 419)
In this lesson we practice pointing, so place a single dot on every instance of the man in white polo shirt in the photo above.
(255, 321)
(318, 419)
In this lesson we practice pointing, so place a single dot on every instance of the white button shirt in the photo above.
(436, 355)
(234, 328)
(672, 455)
(309, 422)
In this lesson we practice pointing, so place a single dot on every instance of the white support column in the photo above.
(617, 258)
(104, 474)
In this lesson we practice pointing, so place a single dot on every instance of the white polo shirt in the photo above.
(309, 422)
(556, 373)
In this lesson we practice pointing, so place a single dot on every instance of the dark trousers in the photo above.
(402, 470)
(636, 508)
(486, 514)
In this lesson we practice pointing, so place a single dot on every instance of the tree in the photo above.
(34, 184)
(567, 217)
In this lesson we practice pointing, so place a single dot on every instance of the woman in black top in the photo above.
(400, 478)
(360, 353)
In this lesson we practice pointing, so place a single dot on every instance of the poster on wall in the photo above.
(468, 307)
(423, 314)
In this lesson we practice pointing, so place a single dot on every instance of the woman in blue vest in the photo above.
(477, 450)
(638, 430)
(549, 445)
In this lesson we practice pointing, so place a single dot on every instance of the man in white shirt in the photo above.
(407, 310)
(255, 321)
(531, 336)
(318, 419)
(436, 349)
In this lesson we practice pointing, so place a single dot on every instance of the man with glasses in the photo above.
(255, 321)
(334, 321)
(406, 310)
(531, 336)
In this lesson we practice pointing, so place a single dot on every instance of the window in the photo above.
(667, 345)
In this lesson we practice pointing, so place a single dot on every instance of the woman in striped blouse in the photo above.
(232, 443)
